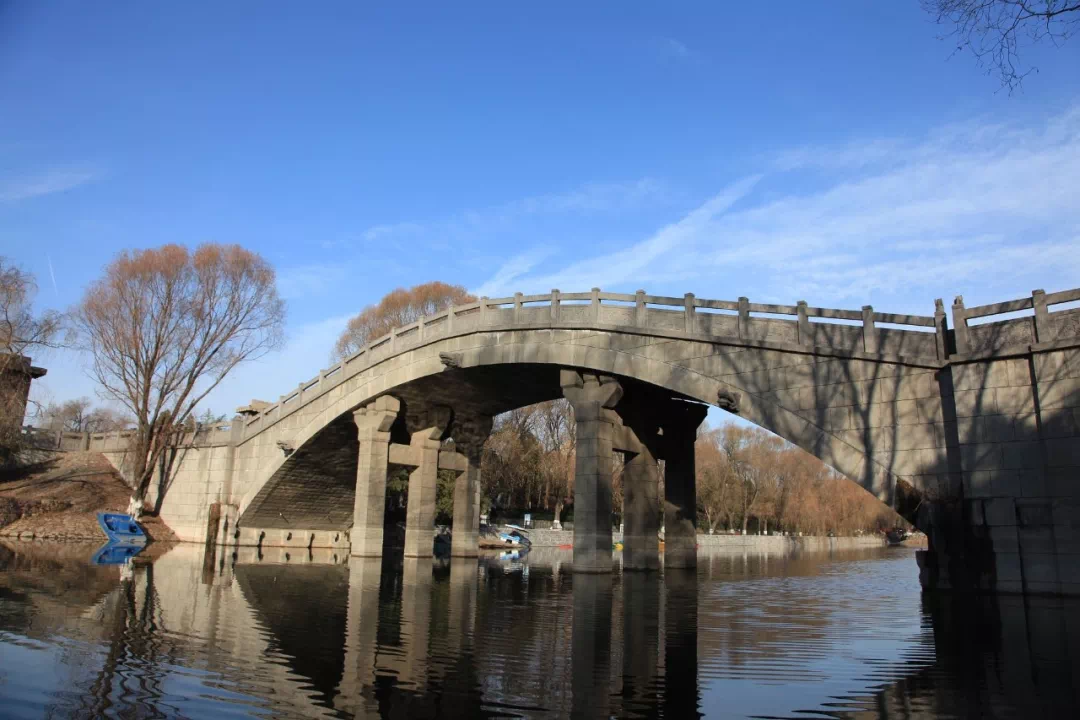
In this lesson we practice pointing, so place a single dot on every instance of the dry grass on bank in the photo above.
(59, 498)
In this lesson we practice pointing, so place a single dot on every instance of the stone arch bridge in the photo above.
(972, 432)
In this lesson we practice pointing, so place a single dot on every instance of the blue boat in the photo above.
(121, 529)
(116, 553)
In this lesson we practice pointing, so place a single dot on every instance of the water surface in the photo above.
(844, 634)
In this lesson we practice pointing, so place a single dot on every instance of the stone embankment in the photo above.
(59, 496)
(762, 543)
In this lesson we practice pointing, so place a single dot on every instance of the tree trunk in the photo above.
(745, 517)
(766, 526)
(557, 524)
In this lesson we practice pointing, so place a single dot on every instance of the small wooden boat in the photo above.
(121, 529)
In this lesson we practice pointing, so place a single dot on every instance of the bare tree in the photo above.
(397, 308)
(164, 327)
(994, 30)
(79, 415)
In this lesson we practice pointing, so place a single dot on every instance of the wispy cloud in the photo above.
(982, 203)
(301, 281)
(591, 198)
(46, 183)
(672, 49)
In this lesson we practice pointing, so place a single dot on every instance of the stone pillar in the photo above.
(592, 398)
(423, 482)
(373, 423)
(680, 422)
(469, 437)
(641, 510)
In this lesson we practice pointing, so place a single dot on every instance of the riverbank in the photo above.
(59, 496)
(762, 543)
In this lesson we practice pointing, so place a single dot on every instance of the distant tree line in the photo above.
(748, 480)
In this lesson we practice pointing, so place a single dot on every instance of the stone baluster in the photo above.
(941, 329)
(744, 317)
(1043, 332)
(805, 338)
(869, 330)
(960, 327)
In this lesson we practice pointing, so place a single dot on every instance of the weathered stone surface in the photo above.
(983, 413)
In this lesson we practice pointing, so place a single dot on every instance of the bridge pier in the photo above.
(423, 483)
(373, 422)
(592, 397)
(641, 480)
(469, 436)
(680, 423)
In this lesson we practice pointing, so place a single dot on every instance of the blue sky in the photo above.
(829, 152)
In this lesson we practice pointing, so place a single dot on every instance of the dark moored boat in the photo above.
(121, 529)
(896, 536)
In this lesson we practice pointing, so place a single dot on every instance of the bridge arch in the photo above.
(764, 385)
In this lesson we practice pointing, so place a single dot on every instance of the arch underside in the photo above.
(872, 421)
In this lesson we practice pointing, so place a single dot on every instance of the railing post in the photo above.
(393, 340)
(804, 324)
(299, 393)
(1043, 331)
(420, 330)
(483, 311)
(449, 319)
(517, 307)
(869, 330)
(960, 328)
(595, 307)
(641, 318)
(744, 317)
(689, 314)
(941, 329)
(555, 305)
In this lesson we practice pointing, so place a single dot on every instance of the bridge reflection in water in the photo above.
(844, 635)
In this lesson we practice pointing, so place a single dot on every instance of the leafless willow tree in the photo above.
(23, 333)
(994, 31)
(164, 327)
(397, 308)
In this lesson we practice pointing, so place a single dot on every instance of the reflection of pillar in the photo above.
(592, 397)
(641, 485)
(591, 645)
(641, 637)
(423, 483)
(373, 430)
(680, 422)
(469, 437)
(462, 610)
(361, 626)
(681, 697)
(415, 620)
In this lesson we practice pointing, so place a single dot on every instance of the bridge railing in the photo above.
(862, 331)
(1041, 326)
